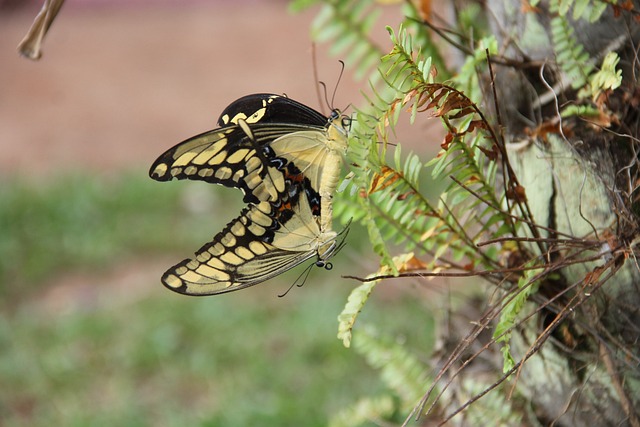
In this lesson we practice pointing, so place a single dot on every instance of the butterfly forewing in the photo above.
(238, 156)
(226, 156)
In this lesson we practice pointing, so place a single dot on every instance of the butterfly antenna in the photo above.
(326, 97)
(343, 237)
(342, 244)
(305, 273)
(335, 89)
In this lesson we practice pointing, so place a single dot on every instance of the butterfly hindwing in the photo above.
(215, 266)
(270, 108)
(311, 144)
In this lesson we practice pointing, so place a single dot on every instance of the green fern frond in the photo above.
(355, 302)
(527, 286)
(583, 111)
(570, 55)
(348, 23)
(590, 10)
(405, 65)
(401, 371)
(399, 213)
(422, 37)
(606, 78)
(474, 188)
(367, 150)
(365, 410)
(365, 155)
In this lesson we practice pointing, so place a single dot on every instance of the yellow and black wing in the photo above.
(228, 156)
(271, 108)
(260, 135)
(296, 135)
(266, 240)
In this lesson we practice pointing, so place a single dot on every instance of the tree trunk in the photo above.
(581, 180)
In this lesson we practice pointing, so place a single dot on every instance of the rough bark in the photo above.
(581, 181)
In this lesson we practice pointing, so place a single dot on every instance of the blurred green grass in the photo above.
(78, 220)
(145, 356)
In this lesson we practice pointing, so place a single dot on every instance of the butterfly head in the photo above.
(336, 114)
(332, 244)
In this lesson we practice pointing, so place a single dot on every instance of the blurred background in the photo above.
(88, 335)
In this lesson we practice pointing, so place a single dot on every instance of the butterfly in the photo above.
(257, 136)
(266, 240)
(286, 158)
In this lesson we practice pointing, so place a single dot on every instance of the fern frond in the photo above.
(422, 37)
(365, 155)
(607, 78)
(471, 162)
(584, 111)
(571, 56)
(401, 371)
(348, 23)
(398, 213)
(590, 10)
(356, 300)
(365, 410)
(527, 286)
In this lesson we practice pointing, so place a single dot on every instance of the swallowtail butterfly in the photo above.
(286, 158)
(266, 240)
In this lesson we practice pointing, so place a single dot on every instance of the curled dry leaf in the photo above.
(476, 124)
(454, 101)
(448, 138)
(405, 195)
(382, 180)
(548, 127)
(492, 153)
(31, 44)
(517, 193)
(408, 262)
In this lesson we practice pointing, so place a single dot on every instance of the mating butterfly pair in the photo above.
(286, 158)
